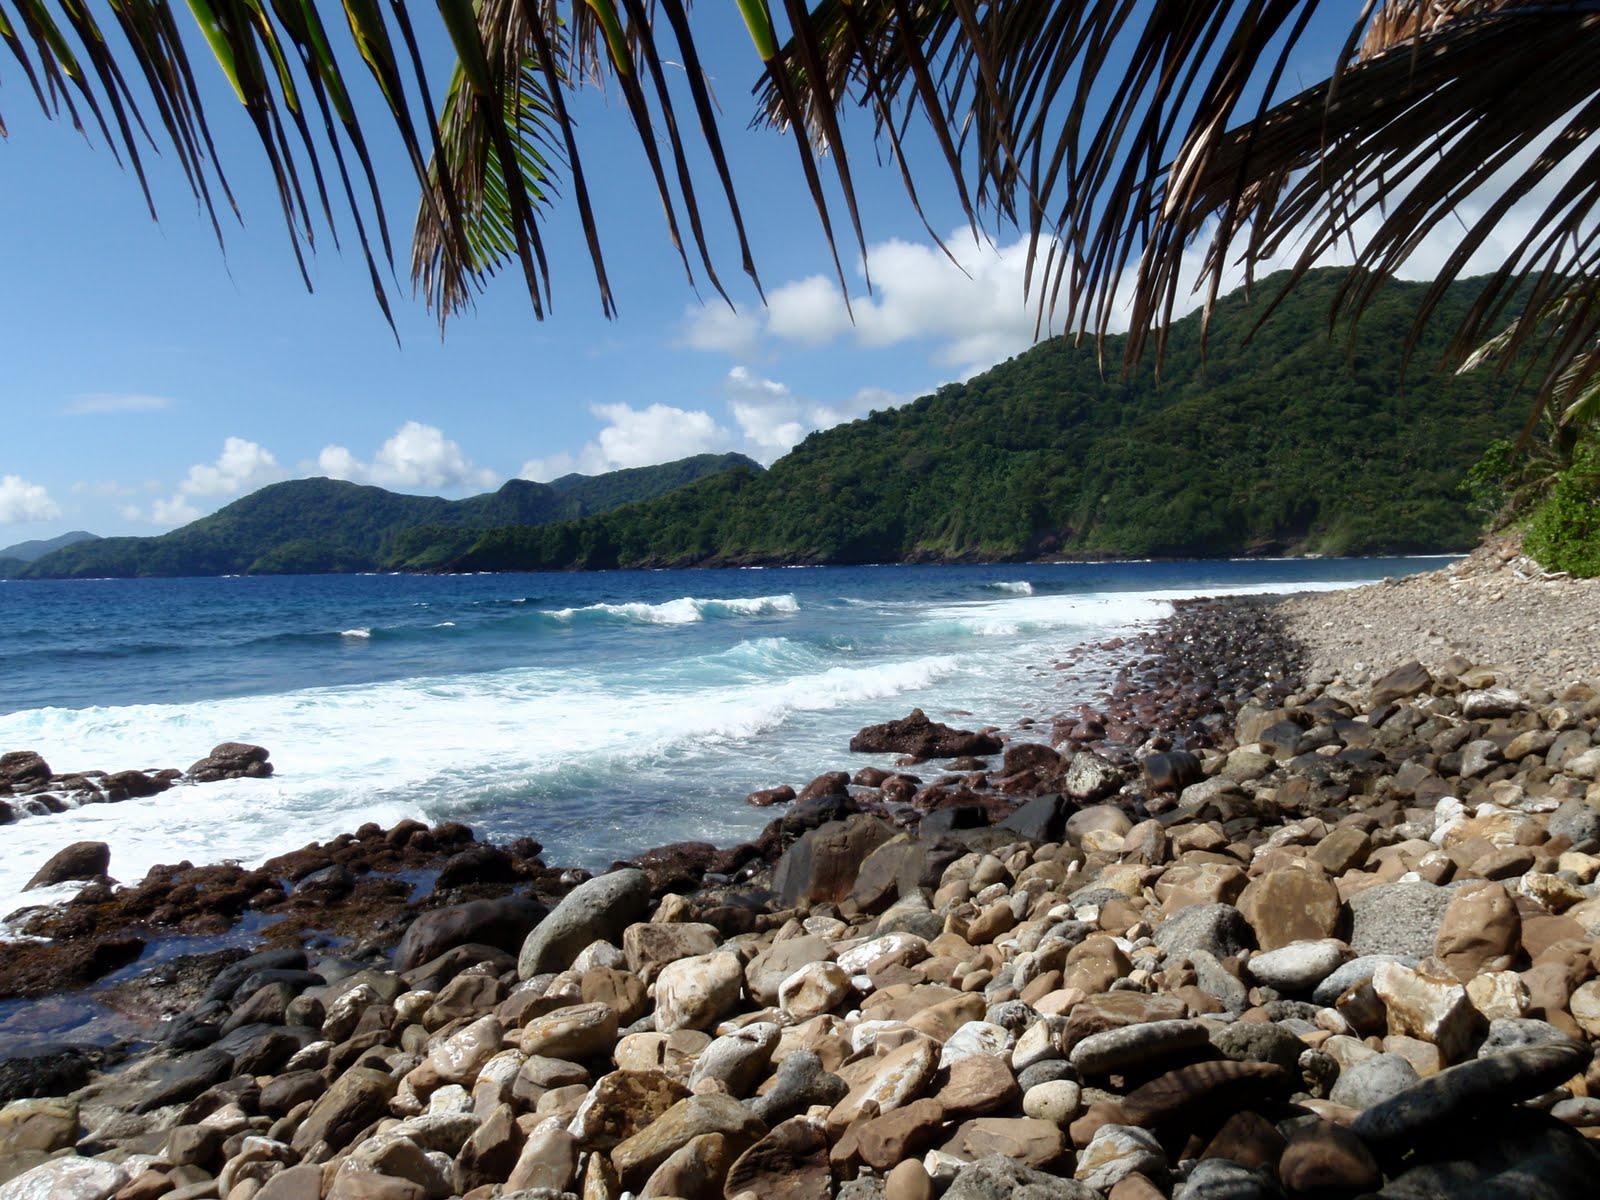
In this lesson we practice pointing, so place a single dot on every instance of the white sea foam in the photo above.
(616, 752)
(686, 610)
(1018, 587)
(412, 748)
(360, 634)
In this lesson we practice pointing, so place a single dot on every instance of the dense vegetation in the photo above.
(1290, 441)
(322, 525)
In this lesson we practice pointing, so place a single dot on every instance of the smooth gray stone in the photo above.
(598, 910)
(1373, 1081)
(1357, 970)
(1218, 929)
(1223, 1179)
(1508, 1033)
(1136, 1045)
(1464, 1091)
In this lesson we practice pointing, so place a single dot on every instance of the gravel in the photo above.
(1496, 608)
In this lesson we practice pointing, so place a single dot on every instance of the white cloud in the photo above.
(243, 466)
(773, 419)
(115, 402)
(636, 437)
(972, 310)
(417, 456)
(23, 501)
(716, 327)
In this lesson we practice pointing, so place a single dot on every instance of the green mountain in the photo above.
(1287, 440)
(28, 552)
(325, 525)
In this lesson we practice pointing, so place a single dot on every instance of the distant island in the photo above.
(14, 558)
(316, 526)
(1274, 440)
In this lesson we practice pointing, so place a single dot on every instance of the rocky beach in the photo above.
(1304, 905)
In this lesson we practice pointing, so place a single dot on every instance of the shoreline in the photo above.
(782, 564)
(1225, 768)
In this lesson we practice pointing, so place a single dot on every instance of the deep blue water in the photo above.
(600, 713)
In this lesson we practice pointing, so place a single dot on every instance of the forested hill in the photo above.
(326, 525)
(1291, 442)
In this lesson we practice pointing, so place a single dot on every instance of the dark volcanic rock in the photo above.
(81, 860)
(23, 767)
(821, 867)
(231, 760)
(1042, 819)
(502, 923)
(46, 1071)
(1172, 770)
(921, 738)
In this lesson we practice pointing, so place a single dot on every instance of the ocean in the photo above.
(600, 713)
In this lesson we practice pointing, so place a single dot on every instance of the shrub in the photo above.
(1563, 532)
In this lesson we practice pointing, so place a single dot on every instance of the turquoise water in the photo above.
(600, 713)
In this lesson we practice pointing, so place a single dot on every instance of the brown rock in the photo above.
(491, 1153)
(695, 1169)
(1204, 1089)
(821, 867)
(880, 1143)
(1481, 931)
(621, 1104)
(548, 1159)
(622, 991)
(978, 1084)
(885, 1082)
(1328, 1160)
(1036, 1144)
(638, 1157)
(1344, 849)
(1113, 1010)
(908, 1181)
(1249, 1139)
(1290, 905)
(356, 1099)
(790, 1163)
(1135, 1187)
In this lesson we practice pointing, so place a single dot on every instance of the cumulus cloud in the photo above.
(972, 312)
(243, 466)
(635, 437)
(417, 456)
(91, 403)
(714, 326)
(22, 501)
(773, 419)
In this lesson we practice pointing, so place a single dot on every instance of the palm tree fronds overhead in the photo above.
(1132, 140)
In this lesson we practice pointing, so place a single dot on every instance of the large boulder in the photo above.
(232, 760)
(596, 911)
(1398, 918)
(1401, 684)
(921, 738)
(503, 923)
(1090, 777)
(821, 867)
(81, 860)
(1042, 819)
(23, 768)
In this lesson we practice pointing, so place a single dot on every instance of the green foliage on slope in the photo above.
(328, 525)
(1563, 530)
(1289, 442)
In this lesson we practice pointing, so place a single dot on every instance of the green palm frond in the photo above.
(1121, 135)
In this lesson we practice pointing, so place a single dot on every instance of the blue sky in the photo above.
(149, 378)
